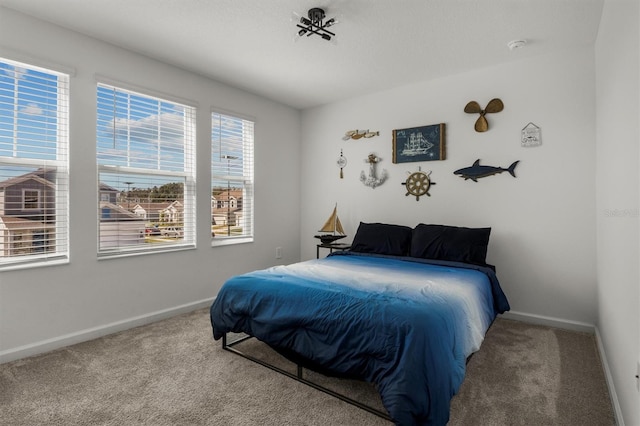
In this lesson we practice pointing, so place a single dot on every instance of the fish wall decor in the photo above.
(358, 134)
(476, 171)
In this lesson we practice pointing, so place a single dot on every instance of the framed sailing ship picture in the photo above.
(424, 143)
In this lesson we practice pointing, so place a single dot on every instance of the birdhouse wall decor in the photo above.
(530, 136)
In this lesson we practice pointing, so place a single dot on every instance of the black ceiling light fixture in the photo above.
(314, 23)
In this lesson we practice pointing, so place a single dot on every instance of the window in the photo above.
(231, 178)
(33, 164)
(31, 199)
(145, 157)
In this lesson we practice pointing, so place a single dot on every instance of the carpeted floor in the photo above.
(173, 373)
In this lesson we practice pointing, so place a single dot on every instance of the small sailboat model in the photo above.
(332, 229)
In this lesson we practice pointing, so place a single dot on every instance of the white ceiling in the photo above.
(381, 43)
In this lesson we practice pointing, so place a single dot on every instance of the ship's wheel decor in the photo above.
(359, 134)
(372, 181)
(418, 184)
(482, 125)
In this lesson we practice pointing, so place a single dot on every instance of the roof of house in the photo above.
(106, 188)
(19, 223)
(225, 195)
(151, 206)
(37, 176)
(154, 206)
(118, 212)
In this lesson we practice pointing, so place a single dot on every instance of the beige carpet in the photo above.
(173, 373)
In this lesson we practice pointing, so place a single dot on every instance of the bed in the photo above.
(404, 309)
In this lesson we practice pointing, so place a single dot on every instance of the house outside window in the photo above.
(146, 165)
(232, 140)
(33, 165)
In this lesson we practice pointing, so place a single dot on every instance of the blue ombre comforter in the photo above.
(406, 324)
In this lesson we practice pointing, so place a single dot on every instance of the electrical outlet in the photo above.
(278, 252)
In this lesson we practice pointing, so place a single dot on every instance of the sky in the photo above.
(134, 132)
(35, 125)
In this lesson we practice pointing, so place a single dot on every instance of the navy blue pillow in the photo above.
(457, 244)
(381, 238)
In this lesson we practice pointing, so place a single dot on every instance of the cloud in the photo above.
(16, 72)
(170, 126)
(145, 142)
(32, 109)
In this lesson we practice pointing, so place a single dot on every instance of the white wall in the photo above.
(43, 307)
(543, 221)
(617, 105)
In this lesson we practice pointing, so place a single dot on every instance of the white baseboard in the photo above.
(95, 332)
(617, 411)
(550, 321)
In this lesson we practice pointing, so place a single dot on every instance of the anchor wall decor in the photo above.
(372, 181)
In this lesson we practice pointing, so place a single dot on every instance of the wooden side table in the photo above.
(331, 247)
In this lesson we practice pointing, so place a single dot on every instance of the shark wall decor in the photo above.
(476, 171)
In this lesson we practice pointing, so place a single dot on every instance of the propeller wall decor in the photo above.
(494, 105)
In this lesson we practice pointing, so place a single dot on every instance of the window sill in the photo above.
(121, 254)
(219, 242)
(33, 264)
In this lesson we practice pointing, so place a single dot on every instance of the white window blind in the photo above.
(231, 178)
(146, 167)
(34, 179)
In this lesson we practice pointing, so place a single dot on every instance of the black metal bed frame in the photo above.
(299, 377)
